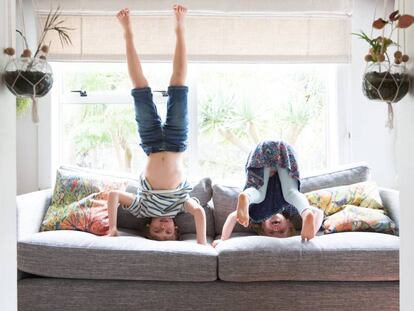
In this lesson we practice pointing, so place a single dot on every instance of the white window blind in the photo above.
(233, 31)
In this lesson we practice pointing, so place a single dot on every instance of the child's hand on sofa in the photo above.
(112, 232)
(216, 242)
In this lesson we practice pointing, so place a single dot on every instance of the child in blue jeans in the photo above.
(163, 191)
(271, 195)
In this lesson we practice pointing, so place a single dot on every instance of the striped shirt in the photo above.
(159, 203)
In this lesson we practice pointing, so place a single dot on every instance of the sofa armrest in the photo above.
(31, 208)
(391, 201)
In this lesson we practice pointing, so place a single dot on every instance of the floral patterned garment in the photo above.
(270, 154)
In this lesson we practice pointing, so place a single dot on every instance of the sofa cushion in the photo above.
(75, 183)
(333, 200)
(347, 256)
(357, 218)
(225, 202)
(202, 190)
(89, 214)
(81, 255)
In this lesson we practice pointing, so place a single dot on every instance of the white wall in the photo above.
(405, 181)
(8, 265)
(26, 131)
(370, 140)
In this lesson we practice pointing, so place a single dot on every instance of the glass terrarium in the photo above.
(385, 82)
(28, 77)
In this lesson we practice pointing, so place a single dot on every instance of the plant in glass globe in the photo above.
(30, 75)
(385, 78)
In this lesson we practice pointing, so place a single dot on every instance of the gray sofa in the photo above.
(72, 270)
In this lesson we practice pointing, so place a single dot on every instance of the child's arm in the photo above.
(195, 209)
(227, 228)
(115, 198)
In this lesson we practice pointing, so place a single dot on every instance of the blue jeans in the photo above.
(155, 136)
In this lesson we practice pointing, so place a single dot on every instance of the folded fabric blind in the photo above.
(228, 31)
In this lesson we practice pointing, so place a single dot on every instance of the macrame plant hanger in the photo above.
(25, 76)
(35, 114)
(398, 83)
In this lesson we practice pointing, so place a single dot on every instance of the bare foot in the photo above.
(124, 20)
(243, 210)
(311, 222)
(308, 225)
(180, 13)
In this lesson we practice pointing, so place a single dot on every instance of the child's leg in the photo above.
(134, 65)
(257, 196)
(311, 217)
(251, 195)
(115, 199)
(146, 115)
(180, 55)
(176, 123)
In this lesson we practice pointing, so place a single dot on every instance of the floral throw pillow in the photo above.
(356, 218)
(89, 214)
(333, 200)
(73, 185)
(79, 200)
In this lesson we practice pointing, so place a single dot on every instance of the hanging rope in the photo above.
(390, 119)
(383, 81)
(35, 114)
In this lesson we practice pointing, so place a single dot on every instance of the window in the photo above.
(232, 107)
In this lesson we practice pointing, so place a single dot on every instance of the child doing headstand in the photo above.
(271, 195)
(163, 190)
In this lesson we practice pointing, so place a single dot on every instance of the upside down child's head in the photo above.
(162, 229)
(277, 226)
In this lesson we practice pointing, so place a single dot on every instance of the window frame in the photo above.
(333, 126)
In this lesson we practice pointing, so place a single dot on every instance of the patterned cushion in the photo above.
(89, 214)
(79, 200)
(333, 200)
(356, 218)
(74, 184)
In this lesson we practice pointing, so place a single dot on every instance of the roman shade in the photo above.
(217, 31)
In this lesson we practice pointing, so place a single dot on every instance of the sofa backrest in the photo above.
(341, 176)
(225, 197)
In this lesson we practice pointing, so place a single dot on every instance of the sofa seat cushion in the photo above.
(81, 255)
(347, 256)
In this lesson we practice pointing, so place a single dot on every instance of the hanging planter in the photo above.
(32, 77)
(386, 84)
(385, 80)
(29, 78)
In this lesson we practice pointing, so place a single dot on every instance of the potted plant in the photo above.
(385, 78)
(30, 76)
